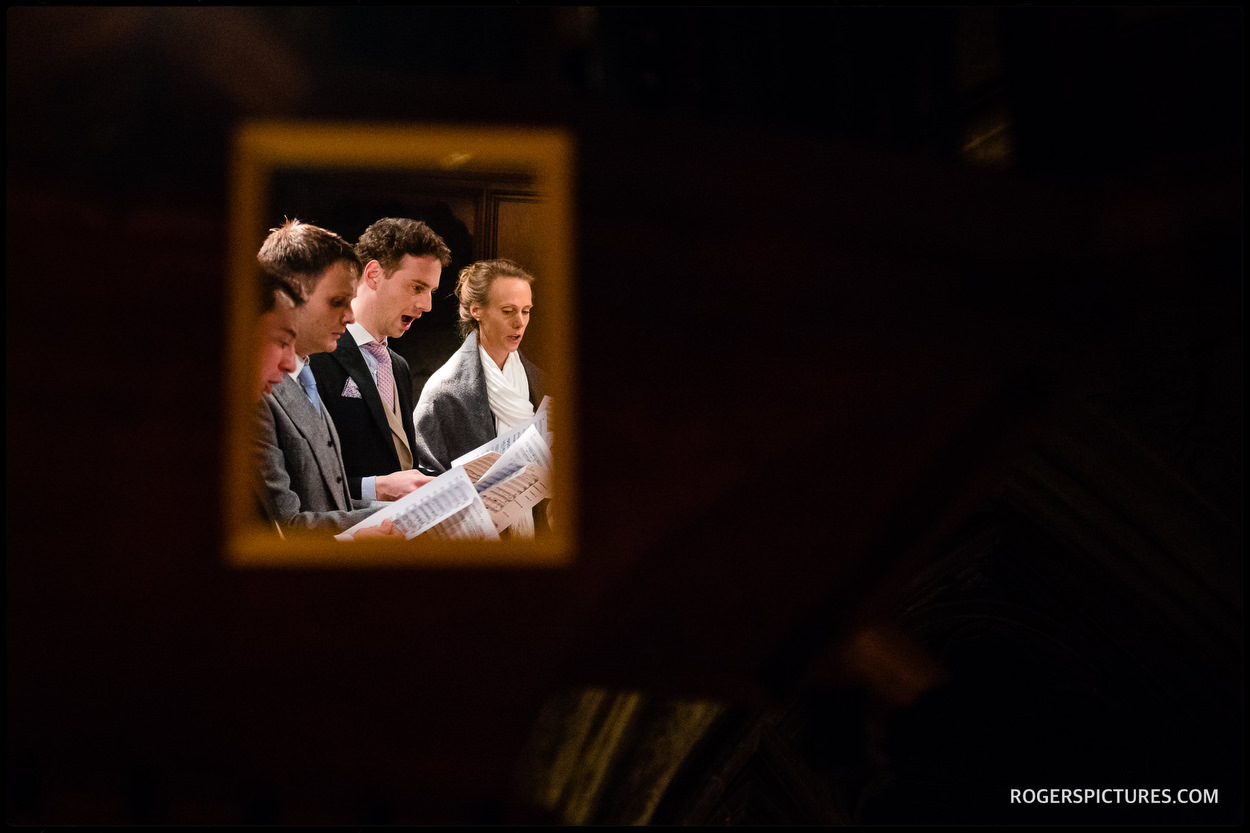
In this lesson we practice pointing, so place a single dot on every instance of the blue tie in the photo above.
(310, 387)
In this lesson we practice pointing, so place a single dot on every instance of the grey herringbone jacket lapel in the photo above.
(317, 429)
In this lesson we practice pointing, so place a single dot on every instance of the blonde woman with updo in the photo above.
(487, 387)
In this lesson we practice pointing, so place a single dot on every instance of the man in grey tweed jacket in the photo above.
(301, 466)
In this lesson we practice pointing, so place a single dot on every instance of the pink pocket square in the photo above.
(350, 390)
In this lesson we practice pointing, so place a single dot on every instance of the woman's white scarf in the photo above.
(508, 392)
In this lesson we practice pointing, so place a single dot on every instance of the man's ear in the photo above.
(373, 273)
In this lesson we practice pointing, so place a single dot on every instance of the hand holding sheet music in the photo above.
(449, 494)
(485, 492)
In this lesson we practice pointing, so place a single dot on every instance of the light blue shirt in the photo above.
(368, 488)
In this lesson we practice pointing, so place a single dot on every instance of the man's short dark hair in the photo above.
(389, 239)
(300, 253)
(273, 287)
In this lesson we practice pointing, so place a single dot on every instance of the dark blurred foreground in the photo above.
(910, 416)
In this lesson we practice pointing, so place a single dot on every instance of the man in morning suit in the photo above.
(365, 385)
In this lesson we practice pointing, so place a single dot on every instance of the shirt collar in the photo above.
(361, 335)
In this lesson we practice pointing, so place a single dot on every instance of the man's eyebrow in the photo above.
(289, 331)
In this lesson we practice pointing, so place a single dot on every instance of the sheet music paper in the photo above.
(484, 492)
(474, 522)
(477, 468)
(420, 510)
(500, 444)
(528, 449)
(509, 499)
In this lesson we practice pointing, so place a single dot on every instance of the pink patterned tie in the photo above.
(386, 379)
